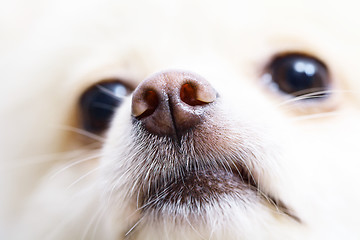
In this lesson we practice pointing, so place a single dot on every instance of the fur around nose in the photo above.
(170, 103)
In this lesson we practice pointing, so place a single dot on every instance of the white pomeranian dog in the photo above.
(173, 120)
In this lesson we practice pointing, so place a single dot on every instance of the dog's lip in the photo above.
(199, 186)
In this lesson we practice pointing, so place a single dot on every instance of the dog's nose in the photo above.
(170, 103)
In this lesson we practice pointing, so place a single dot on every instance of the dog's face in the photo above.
(181, 120)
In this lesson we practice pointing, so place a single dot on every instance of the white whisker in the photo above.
(315, 116)
(83, 176)
(313, 95)
(97, 222)
(72, 214)
(110, 93)
(194, 229)
(306, 96)
(81, 132)
(94, 218)
(133, 227)
(86, 159)
(44, 158)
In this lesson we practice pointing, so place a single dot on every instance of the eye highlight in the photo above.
(98, 104)
(297, 74)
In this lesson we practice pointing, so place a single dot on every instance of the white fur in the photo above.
(55, 184)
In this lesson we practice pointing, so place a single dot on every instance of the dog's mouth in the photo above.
(196, 188)
(188, 159)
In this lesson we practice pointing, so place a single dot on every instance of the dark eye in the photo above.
(98, 103)
(297, 74)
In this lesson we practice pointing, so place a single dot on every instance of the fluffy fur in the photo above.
(60, 182)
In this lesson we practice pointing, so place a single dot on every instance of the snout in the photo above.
(183, 155)
(170, 103)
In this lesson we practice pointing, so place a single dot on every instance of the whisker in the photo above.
(118, 180)
(237, 169)
(248, 171)
(98, 220)
(109, 107)
(81, 132)
(194, 229)
(306, 96)
(159, 197)
(71, 217)
(110, 93)
(39, 159)
(61, 225)
(94, 218)
(84, 176)
(312, 96)
(86, 159)
(315, 116)
(133, 227)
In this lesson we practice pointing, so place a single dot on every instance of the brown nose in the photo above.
(170, 103)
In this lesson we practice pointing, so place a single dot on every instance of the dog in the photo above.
(180, 120)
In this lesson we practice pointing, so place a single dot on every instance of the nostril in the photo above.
(197, 94)
(146, 105)
(188, 94)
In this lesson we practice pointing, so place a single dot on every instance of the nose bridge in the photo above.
(171, 102)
